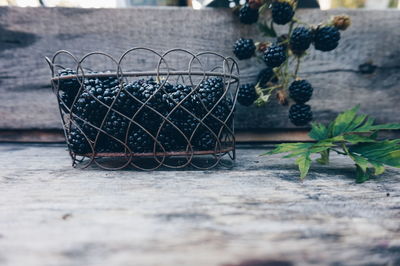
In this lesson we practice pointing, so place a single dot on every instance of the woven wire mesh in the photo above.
(170, 116)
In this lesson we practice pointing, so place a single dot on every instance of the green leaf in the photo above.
(324, 157)
(304, 163)
(354, 139)
(266, 30)
(361, 175)
(289, 147)
(343, 121)
(318, 131)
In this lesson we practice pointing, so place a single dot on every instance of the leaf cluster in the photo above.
(349, 134)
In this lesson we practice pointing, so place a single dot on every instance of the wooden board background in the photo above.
(27, 35)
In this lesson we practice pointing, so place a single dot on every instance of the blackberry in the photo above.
(300, 114)
(244, 48)
(78, 143)
(275, 55)
(248, 15)
(69, 87)
(90, 104)
(169, 138)
(266, 75)
(247, 94)
(139, 141)
(300, 91)
(219, 116)
(326, 38)
(210, 91)
(300, 40)
(116, 125)
(187, 124)
(205, 141)
(282, 12)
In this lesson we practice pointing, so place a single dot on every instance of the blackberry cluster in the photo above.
(275, 55)
(244, 48)
(248, 15)
(300, 91)
(113, 107)
(282, 11)
(247, 94)
(326, 38)
(300, 40)
(300, 114)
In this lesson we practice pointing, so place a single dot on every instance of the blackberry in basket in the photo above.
(151, 115)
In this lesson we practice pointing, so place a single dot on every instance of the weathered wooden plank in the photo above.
(29, 34)
(51, 214)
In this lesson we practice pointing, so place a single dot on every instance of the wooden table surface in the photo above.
(258, 212)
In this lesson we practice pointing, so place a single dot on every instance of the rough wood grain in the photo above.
(29, 34)
(52, 214)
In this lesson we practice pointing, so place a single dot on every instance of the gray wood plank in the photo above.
(52, 214)
(29, 34)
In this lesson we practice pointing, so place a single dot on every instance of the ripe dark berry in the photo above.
(248, 15)
(139, 141)
(266, 75)
(205, 141)
(300, 40)
(275, 55)
(247, 94)
(93, 103)
(300, 114)
(300, 91)
(220, 116)
(282, 12)
(326, 38)
(78, 143)
(244, 48)
(210, 91)
(69, 87)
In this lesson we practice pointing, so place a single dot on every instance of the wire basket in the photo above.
(177, 114)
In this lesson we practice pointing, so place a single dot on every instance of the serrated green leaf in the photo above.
(266, 30)
(343, 121)
(361, 176)
(318, 131)
(382, 152)
(360, 161)
(354, 139)
(304, 163)
(324, 157)
(289, 147)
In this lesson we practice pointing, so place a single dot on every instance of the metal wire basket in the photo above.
(178, 114)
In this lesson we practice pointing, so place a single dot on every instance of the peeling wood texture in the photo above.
(29, 34)
(52, 214)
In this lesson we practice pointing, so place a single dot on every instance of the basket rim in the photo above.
(148, 73)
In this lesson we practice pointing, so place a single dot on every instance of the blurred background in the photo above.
(197, 4)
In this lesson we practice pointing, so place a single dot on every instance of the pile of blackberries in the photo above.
(276, 54)
(144, 115)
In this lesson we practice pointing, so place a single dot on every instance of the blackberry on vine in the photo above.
(247, 94)
(300, 40)
(244, 48)
(282, 12)
(248, 15)
(326, 38)
(265, 76)
(300, 91)
(275, 55)
(300, 114)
